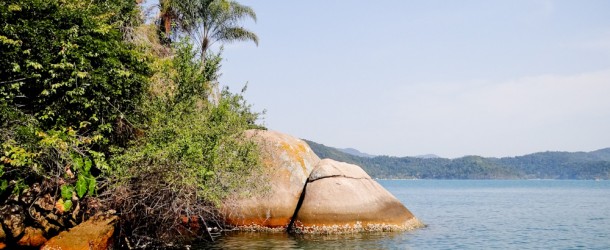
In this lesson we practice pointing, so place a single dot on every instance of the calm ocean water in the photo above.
(473, 214)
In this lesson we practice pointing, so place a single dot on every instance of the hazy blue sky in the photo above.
(453, 78)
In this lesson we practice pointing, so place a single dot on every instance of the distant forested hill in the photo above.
(544, 165)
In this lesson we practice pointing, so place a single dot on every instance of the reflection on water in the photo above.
(256, 240)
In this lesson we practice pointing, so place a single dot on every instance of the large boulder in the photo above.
(95, 233)
(341, 197)
(287, 163)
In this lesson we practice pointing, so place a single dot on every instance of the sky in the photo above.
(451, 78)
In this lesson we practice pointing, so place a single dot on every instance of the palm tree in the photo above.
(211, 21)
(166, 16)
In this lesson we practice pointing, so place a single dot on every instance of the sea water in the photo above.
(472, 214)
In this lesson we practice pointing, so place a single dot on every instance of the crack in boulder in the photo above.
(337, 176)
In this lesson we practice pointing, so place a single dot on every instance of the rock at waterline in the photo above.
(337, 197)
(287, 162)
(341, 197)
(93, 234)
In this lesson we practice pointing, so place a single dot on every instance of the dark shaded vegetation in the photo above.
(545, 165)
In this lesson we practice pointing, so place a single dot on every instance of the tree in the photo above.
(211, 21)
(166, 15)
(65, 62)
(69, 83)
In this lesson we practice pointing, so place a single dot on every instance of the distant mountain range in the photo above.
(356, 152)
(543, 165)
(353, 151)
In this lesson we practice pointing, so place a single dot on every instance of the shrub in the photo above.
(192, 156)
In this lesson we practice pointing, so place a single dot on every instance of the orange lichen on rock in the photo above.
(314, 196)
(95, 234)
(33, 237)
(287, 162)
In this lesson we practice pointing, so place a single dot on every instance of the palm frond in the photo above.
(240, 11)
(211, 21)
(230, 34)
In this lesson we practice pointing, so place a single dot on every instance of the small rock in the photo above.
(13, 218)
(30, 194)
(2, 237)
(55, 219)
(33, 237)
(96, 234)
(40, 219)
(45, 203)
(2, 233)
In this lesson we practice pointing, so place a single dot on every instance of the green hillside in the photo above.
(544, 165)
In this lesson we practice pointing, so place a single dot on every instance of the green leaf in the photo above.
(16, 68)
(81, 186)
(78, 162)
(14, 7)
(67, 205)
(92, 186)
(84, 124)
(3, 186)
(87, 166)
(209, 173)
(66, 191)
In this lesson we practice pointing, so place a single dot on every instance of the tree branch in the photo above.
(12, 81)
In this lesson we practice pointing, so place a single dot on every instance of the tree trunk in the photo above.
(204, 49)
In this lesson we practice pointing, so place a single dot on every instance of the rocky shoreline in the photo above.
(35, 216)
(306, 195)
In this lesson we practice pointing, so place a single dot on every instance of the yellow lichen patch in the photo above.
(296, 153)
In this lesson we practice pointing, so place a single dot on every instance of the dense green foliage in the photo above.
(68, 85)
(561, 165)
(65, 62)
(94, 108)
(547, 165)
(193, 156)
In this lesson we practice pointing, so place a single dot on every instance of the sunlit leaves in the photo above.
(71, 61)
(66, 192)
(7, 41)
